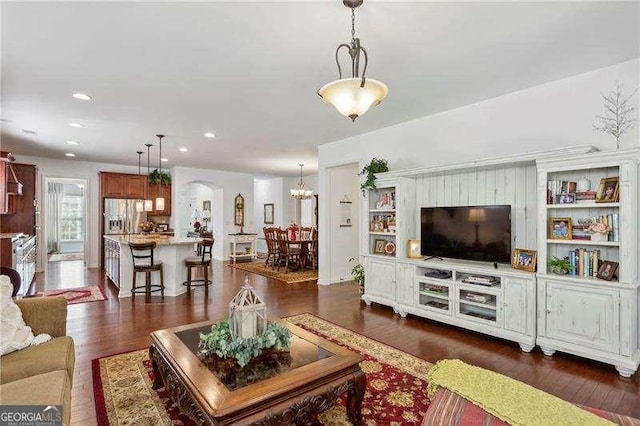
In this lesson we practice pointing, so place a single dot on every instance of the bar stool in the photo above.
(204, 261)
(142, 254)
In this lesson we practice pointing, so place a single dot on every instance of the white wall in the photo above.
(553, 115)
(344, 241)
(231, 184)
(268, 191)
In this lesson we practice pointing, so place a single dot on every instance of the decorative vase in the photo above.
(597, 236)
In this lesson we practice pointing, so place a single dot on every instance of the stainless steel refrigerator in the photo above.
(121, 217)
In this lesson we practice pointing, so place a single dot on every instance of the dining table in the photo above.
(304, 246)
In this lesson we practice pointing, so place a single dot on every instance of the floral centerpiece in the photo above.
(599, 231)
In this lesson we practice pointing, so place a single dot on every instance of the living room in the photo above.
(540, 99)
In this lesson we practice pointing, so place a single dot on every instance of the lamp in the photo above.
(300, 193)
(148, 203)
(139, 203)
(160, 199)
(477, 215)
(353, 96)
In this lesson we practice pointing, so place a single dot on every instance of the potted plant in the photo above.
(376, 165)
(560, 266)
(156, 177)
(358, 274)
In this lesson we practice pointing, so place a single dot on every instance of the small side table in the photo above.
(243, 246)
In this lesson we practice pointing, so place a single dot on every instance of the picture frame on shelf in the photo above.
(525, 260)
(268, 214)
(569, 198)
(413, 249)
(607, 270)
(162, 227)
(560, 228)
(608, 190)
(378, 246)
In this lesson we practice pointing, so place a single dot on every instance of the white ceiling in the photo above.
(250, 71)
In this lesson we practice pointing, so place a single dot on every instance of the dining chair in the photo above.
(286, 253)
(305, 233)
(312, 254)
(272, 246)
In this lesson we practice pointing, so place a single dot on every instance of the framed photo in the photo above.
(560, 228)
(162, 227)
(607, 270)
(565, 198)
(378, 246)
(525, 259)
(206, 205)
(608, 190)
(413, 249)
(268, 214)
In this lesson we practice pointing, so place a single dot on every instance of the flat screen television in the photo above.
(480, 233)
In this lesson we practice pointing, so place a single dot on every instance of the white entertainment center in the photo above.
(586, 316)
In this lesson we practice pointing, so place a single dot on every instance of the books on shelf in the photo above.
(584, 262)
(556, 188)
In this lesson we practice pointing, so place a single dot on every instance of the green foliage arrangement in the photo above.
(559, 266)
(154, 177)
(376, 165)
(218, 341)
(358, 274)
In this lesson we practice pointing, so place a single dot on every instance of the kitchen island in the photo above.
(171, 251)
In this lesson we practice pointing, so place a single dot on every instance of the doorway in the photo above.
(65, 219)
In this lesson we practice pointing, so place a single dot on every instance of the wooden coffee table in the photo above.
(278, 388)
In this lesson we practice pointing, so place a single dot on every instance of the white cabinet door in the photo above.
(404, 284)
(586, 316)
(516, 312)
(380, 277)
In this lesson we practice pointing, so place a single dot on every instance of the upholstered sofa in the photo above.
(461, 394)
(41, 374)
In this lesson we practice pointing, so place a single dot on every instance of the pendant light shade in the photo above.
(139, 203)
(353, 96)
(160, 199)
(148, 203)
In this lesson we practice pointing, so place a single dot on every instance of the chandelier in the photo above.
(353, 96)
(300, 193)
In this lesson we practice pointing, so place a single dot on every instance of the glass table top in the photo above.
(269, 364)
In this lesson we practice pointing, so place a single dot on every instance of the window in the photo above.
(72, 218)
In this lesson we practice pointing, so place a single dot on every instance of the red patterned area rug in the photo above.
(77, 295)
(395, 394)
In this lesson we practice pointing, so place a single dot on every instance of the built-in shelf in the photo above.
(593, 205)
(382, 211)
(584, 242)
(382, 233)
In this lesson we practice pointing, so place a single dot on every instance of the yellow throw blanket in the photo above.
(510, 400)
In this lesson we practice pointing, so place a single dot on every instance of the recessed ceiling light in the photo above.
(70, 154)
(72, 142)
(82, 96)
(78, 125)
(164, 160)
(183, 149)
(210, 135)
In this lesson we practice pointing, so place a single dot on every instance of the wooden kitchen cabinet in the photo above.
(122, 185)
(154, 192)
(20, 212)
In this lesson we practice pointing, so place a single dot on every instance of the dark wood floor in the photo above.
(114, 326)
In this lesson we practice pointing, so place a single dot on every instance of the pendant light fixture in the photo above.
(139, 203)
(300, 192)
(148, 203)
(160, 199)
(353, 96)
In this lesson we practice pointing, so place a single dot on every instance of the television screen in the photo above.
(472, 232)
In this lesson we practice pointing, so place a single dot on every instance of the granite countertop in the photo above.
(160, 240)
